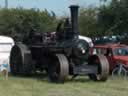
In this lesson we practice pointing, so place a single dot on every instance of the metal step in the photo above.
(85, 69)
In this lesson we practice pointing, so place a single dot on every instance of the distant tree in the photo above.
(22, 21)
(114, 17)
(88, 21)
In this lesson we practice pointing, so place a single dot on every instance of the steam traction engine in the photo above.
(60, 53)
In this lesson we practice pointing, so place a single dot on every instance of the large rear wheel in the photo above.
(20, 59)
(58, 70)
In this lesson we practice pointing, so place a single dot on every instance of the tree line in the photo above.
(108, 19)
(22, 21)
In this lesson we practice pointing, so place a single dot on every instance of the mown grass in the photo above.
(81, 86)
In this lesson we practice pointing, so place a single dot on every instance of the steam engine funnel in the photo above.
(74, 19)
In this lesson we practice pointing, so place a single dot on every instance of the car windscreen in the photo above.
(121, 51)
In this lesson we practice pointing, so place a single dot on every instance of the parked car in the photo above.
(107, 40)
(116, 54)
(6, 44)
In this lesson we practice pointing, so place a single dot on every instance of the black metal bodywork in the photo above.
(60, 53)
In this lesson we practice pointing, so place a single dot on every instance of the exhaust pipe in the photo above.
(74, 20)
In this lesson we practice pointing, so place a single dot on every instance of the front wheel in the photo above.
(58, 70)
(102, 65)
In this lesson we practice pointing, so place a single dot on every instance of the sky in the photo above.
(60, 7)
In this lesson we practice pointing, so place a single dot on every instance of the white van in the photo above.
(87, 39)
(6, 44)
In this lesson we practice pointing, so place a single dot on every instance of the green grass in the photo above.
(35, 86)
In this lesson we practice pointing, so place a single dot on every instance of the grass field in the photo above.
(38, 86)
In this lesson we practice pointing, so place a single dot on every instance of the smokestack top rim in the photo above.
(71, 6)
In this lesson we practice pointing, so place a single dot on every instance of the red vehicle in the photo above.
(116, 54)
